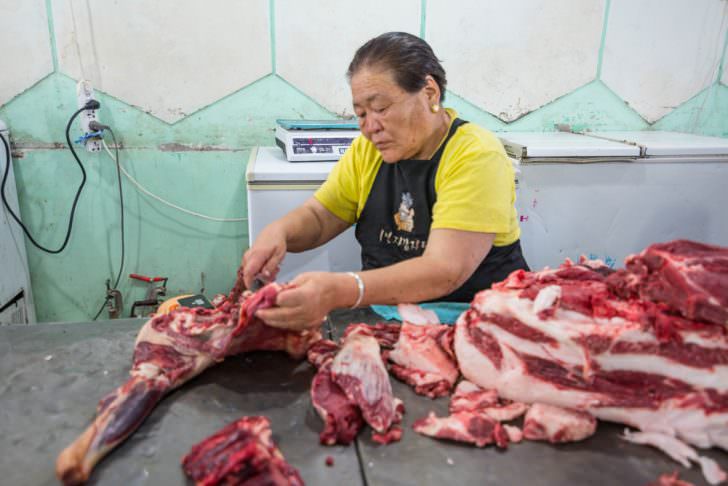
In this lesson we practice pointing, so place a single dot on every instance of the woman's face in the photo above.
(394, 120)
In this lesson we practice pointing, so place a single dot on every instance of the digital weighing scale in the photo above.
(315, 140)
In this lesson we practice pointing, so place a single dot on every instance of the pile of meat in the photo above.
(352, 386)
(170, 350)
(646, 346)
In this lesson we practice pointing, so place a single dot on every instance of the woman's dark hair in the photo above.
(407, 56)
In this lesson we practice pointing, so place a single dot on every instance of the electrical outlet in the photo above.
(84, 93)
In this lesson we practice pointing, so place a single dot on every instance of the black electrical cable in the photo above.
(121, 203)
(92, 104)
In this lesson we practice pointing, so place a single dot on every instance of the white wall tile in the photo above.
(510, 58)
(660, 53)
(168, 57)
(26, 49)
(315, 41)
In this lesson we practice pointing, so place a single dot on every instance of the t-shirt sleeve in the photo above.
(339, 194)
(474, 191)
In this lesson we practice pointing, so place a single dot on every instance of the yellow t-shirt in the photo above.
(474, 184)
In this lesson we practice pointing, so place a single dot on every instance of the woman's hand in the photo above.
(265, 256)
(312, 296)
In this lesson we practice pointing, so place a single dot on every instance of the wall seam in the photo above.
(600, 57)
(721, 66)
(272, 31)
(52, 34)
(423, 18)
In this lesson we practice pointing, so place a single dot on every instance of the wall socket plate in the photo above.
(84, 93)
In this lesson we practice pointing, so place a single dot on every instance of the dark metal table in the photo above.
(54, 374)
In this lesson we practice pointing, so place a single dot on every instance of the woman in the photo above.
(432, 197)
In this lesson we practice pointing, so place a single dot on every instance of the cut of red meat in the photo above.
(170, 350)
(475, 416)
(240, 454)
(687, 276)
(395, 431)
(352, 386)
(342, 417)
(622, 346)
(422, 356)
(385, 334)
(467, 427)
(359, 371)
(555, 424)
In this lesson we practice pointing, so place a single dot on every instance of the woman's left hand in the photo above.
(305, 306)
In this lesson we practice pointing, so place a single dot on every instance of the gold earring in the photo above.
(435, 108)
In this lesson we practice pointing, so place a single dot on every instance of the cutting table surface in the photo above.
(54, 374)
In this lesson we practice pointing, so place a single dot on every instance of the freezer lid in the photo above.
(659, 143)
(562, 144)
(269, 164)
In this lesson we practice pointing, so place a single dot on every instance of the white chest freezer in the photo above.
(276, 187)
(16, 298)
(609, 194)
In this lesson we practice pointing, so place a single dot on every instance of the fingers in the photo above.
(255, 260)
(286, 318)
(294, 311)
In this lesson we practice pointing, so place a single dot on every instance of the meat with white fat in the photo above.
(556, 424)
(170, 350)
(423, 356)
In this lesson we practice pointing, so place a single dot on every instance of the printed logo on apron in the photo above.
(404, 218)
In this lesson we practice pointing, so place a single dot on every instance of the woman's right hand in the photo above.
(265, 256)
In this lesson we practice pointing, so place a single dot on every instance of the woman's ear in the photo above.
(432, 90)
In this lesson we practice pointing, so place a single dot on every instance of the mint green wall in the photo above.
(199, 163)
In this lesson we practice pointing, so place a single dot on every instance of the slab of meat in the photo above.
(352, 386)
(555, 424)
(689, 277)
(241, 454)
(463, 427)
(568, 337)
(342, 417)
(170, 350)
(359, 371)
(475, 418)
(423, 356)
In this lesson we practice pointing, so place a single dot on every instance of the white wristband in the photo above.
(360, 285)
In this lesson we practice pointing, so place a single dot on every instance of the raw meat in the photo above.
(471, 428)
(385, 334)
(359, 371)
(555, 425)
(170, 350)
(598, 354)
(689, 277)
(469, 397)
(423, 356)
(352, 386)
(680, 452)
(475, 416)
(579, 337)
(241, 454)
(342, 417)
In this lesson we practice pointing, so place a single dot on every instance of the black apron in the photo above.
(395, 223)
